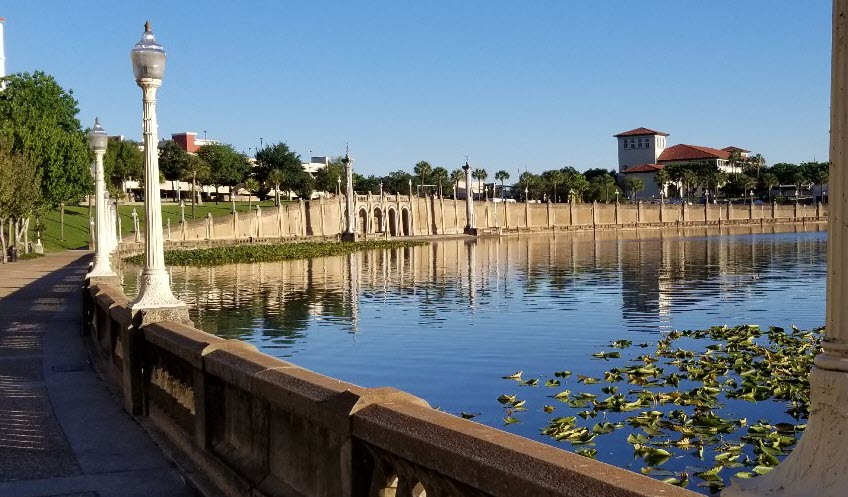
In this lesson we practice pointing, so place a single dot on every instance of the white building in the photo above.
(639, 146)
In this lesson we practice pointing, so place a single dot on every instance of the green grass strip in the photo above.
(218, 256)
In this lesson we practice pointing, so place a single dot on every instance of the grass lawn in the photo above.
(77, 219)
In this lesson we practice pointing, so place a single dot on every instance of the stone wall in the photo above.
(398, 215)
(242, 423)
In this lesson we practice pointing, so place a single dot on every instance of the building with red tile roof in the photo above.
(642, 152)
(639, 146)
(640, 132)
(644, 168)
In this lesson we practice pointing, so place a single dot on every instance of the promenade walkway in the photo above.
(61, 432)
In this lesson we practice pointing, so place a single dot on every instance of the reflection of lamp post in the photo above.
(148, 61)
(97, 141)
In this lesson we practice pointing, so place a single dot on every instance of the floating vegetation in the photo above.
(677, 403)
(218, 256)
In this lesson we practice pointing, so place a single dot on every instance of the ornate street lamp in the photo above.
(469, 201)
(97, 142)
(350, 221)
(148, 61)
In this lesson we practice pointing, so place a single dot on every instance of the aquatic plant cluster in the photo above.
(219, 256)
(670, 403)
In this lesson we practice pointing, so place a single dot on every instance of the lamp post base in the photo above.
(819, 464)
(156, 302)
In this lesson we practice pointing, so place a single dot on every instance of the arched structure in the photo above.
(363, 221)
(393, 222)
(377, 220)
(406, 222)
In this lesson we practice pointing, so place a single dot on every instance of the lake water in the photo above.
(447, 321)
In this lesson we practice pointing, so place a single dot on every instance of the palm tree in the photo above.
(480, 174)
(661, 178)
(275, 178)
(439, 175)
(689, 179)
(769, 180)
(423, 169)
(502, 176)
(635, 185)
(456, 176)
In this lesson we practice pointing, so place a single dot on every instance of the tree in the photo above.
(280, 157)
(554, 177)
(634, 185)
(123, 162)
(172, 160)
(397, 181)
(662, 178)
(328, 179)
(38, 118)
(226, 166)
(20, 193)
(816, 173)
(456, 176)
(690, 181)
(603, 187)
(195, 171)
(275, 178)
(769, 181)
(423, 169)
(578, 184)
(502, 176)
(480, 174)
(439, 176)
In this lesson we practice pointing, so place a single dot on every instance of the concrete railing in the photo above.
(243, 423)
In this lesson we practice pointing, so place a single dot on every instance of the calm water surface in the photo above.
(446, 321)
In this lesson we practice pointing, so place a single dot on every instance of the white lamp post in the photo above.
(469, 201)
(148, 61)
(97, 142)
(350, 221)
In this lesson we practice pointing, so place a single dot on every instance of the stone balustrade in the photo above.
(242, 423)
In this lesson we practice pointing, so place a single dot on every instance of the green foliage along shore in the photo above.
(219, 256)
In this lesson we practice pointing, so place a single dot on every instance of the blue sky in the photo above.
(515, 85)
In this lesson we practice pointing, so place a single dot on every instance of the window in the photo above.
(625, 143)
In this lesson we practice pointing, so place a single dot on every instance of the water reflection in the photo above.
(652, 277)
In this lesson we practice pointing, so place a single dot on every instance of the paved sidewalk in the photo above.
(61, 431)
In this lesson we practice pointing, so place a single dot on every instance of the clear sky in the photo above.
(515, 85)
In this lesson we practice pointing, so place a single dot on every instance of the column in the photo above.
(470, 225)
(819, 464)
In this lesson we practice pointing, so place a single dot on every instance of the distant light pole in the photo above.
(148, 61)
(617, 193)
(752, 197)
(350, 226)
(97, 142)
(338, 185)
(469, 200)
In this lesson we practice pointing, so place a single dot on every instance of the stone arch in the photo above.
(362, 220)
(405, 222)
(377, 220)
(393, 222)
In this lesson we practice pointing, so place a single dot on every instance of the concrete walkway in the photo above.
(61, 431)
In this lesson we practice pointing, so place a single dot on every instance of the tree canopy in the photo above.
(281, 158)
(123, 161)
(38, 118)
(226, 166)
